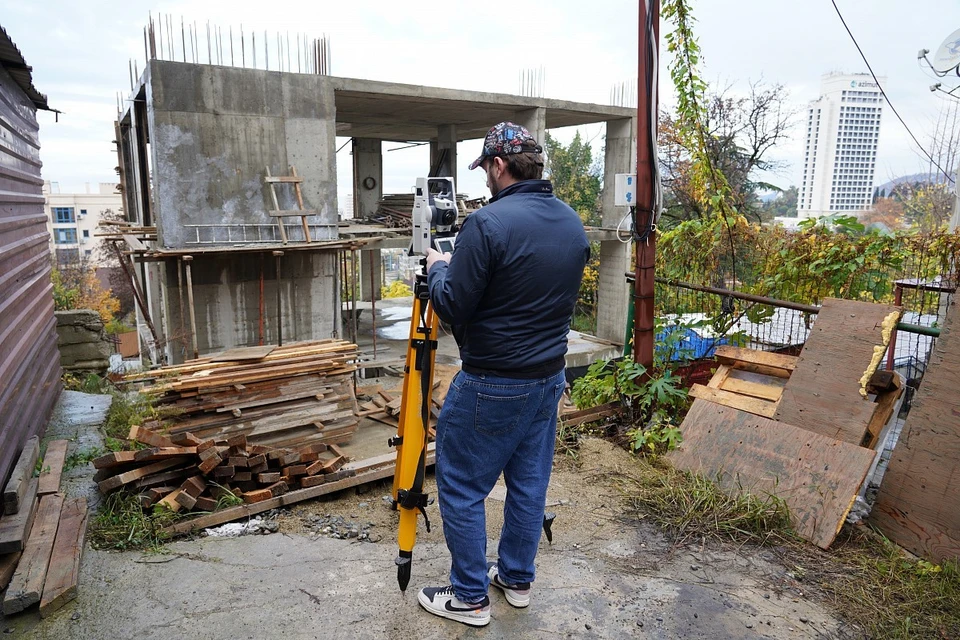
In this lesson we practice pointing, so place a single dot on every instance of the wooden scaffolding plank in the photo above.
(26, 586)
(60, 586)
(918, 505)
(823, 392)
(244, 353)
(16, 487)
(15, 528)
(818, 477)
(52, 467)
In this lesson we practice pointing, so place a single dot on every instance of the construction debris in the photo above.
(798, 428)
(286, 396)
(207, 475)
(394, 210)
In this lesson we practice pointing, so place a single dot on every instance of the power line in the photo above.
(884, 93)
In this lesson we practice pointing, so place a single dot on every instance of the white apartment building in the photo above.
(72, 219)
(840, 146)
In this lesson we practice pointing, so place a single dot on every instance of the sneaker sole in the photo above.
(513, 600)
(443, 613)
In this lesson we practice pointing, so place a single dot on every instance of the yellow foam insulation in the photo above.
(886, 330)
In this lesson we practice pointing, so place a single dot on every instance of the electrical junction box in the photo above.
(625, 190)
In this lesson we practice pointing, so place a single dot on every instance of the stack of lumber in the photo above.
(285, 396)
(185, 473)
(395, 209)
(41, 533)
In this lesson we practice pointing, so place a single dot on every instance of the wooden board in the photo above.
(8, 565)
(918, 505)
(15, 528)
(780, 364)
(733, 400)
(823, 392)
(26, 586)
(817, 477)
(244, 353)
(52, 467)
(20, 478)
(60, 586)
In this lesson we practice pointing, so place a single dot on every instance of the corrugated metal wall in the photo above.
(29, 360)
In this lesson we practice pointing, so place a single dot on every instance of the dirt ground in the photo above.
(595, 521)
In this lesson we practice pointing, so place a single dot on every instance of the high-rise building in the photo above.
(840, 146)
(72, 219)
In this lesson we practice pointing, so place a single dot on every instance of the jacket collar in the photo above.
(524, 186)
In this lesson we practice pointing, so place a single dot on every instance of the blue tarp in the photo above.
(693, 346)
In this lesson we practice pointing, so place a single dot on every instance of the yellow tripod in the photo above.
(411, 439)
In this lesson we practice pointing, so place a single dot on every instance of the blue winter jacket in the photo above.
(511, 286)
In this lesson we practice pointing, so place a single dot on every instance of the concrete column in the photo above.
(535, 120)
(367, 192)
(445, 144)
(613, 296)
(367, 175)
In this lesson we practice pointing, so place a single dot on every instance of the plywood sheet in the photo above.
(918, 505)
(818, 477)
(823, 392)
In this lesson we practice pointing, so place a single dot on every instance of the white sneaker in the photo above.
(517, 594)
(441, 601)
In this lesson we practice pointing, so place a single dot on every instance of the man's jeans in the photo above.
(490, 425)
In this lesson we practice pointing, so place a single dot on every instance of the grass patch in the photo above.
(122, 524)
(126, 410)
(81, 458)
(693, 507)
(875, 584)
(90, 383)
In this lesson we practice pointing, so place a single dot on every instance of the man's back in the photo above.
(512, 285)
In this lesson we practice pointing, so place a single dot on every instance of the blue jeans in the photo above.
(490, 425)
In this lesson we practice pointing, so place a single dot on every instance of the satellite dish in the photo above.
(947, 57)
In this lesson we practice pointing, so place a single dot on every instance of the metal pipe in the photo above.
(373, 302)
(183, 330)
(261, 306)
(278, 255)
(933, 332)
(193, 315)
(796, 306)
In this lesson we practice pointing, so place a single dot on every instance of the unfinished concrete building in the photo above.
(196, 142)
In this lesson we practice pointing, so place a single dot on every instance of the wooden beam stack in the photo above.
(194, 475)
(41, 534)
(287, 396)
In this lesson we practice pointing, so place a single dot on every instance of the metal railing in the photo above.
(253, 233)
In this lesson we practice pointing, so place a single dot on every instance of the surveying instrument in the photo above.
(434, 226)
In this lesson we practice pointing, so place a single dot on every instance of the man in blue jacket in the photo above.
(509, 290)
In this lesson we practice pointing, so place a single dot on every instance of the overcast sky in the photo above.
(79, 52)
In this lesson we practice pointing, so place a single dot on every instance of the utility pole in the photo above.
(645, 245)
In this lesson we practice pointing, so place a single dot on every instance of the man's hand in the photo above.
(434, 256)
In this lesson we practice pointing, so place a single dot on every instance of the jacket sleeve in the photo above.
(456, 288)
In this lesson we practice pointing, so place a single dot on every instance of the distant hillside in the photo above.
(910, 179)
